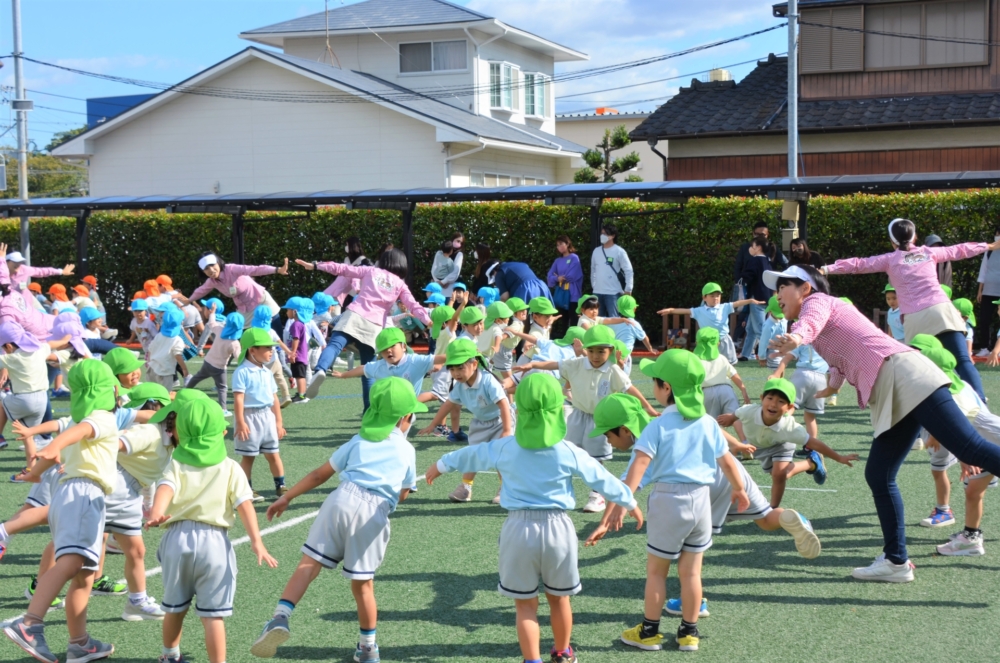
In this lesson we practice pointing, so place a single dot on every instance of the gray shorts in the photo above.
(727, 348)
(503, 360)
(782, 452)
(41, 493)
(679, 519)
(720, 399)
(941, 459)
(538, 544)
(986, 424)
(167, 381)
(123, 508)
(263, 432)
(485, 431)
(28, 407)
(352, 528)
(441, 384)
(578, 427)
(76, 519)
(807, 383)
(721, 494)
(197, 560)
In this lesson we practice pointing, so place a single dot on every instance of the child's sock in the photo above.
(284, 609)
(468, 482)
(534, 660)
(650, 627)
(279, 482)
(943, 508)
(367, 637)
(688, 628)
(82, 640)
(171, 652)
(137, 598)
(3, 534)
(973, 530)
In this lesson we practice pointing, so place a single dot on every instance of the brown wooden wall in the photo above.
(918, 81)
(838, 163)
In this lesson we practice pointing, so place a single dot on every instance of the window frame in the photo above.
(432, 72)
(483, 173)
(923, 44)
(540, 84)
(512, 89)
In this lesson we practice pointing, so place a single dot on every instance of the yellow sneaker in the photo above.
(633, 638)
(687, 642)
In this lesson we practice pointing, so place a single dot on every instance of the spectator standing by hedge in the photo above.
(566, 283)
(759, 228)
(753, 277)
(515, 279)
(989, 291)
(611, 274)
(447, 265)
(943, 268)
(485, 266)
(802, 255)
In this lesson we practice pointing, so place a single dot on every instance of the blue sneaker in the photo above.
(458, 436)
(60, 393)
(674, 607)
(819, 472)
(366, 654)
(939, 518)
(275, 634)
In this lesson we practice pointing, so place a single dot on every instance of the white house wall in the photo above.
(194, 142)
(505, 163)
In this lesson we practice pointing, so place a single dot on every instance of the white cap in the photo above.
(210, 259)
(15, 256)
(793, 272)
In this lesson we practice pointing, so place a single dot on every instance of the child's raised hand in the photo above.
(242, 431)
(726, 420)
(846, 460)
(665, 311)
(277, 508)
(741, 500)
(282, 270)
(262, 555)
(302, 263)
(432, 472)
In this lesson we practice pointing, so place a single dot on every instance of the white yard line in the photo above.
(806, 490)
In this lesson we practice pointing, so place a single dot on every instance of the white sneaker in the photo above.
(832, 401)
(882, 570)
(918, 445)
(806, 541)
(112, 547)
(595, 503)
(148, 609)
(962, 544)
(312, 391)
(227, 413)
(983, 353)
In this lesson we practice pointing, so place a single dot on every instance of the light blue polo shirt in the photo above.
(480, 399)
(716, 317)
(384, 467)
(256, 384)
(807, 359)
(628, 333)
(895, 320)
(411, 368)
(682, 450)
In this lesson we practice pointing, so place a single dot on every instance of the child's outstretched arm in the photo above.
(780, 370)
(743, 302)
(735, 446)
(161, 500)
(356, 372)
(311, 481)
(537, 365)
(816, 445)
(650, 410)
(678, 311)
(649, 346)
(249, 517)
(469, 459)
(506, 420)
(49, 456)
(439, 418)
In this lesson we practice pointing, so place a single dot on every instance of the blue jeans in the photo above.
(956, 343)
(755, 324)
(608, 306)
(939, 414)
(334, 346)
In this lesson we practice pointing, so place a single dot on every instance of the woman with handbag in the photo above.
(566, 283)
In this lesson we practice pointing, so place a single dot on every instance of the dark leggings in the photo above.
(99, 346)
(334, 346)
(939, 414)
(956, 343)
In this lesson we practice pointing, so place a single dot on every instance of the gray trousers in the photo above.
(217, 374)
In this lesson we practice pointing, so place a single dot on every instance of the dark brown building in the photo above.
(870, 102)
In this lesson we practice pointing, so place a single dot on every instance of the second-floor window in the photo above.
(504, 86)
(535, 91)
(432, 56)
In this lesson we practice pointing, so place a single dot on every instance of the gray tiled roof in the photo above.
(439, 111)
(756, 105)
(378, 14)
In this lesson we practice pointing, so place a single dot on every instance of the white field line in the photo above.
(806, 490)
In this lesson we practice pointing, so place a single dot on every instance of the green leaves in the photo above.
(594, 159)
(586, 176)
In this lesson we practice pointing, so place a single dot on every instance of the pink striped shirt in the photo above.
(850, 343)
(912, 273)
(234, 281)
(18, 308)
(378, 292)
(19, 279)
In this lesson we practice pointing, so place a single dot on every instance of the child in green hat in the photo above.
(126, 367)
(197, 498)
(591, 378)
(719, 396)
(630, 331)
(713, 313)
(773, 432)
(677, 453)
(967, 310)
(774, 325)
(588, 309)
(482, 394)
(88, 451)
(259, 425)
(893, 317)
(543, 314)
(444, 324)
(538, 541)
(498, 314)
(377, 467)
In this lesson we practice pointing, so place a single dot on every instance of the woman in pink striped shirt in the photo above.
(913, 273)
(903, 389)
(236, 282)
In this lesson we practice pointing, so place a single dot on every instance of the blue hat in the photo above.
(139, 305)
(89, 314)
(459, 286)
(234, 327)
(432, 287)
(170, 322)
(262, 316)
(488, 295)
(436, 298)
(322, 301)
(220, 308)
(169, 305)
(306, 309)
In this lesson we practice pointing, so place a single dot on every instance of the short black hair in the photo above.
(610, 229)
(394, 261)
(780, 394)
(617, 430)
(590, 302)
(220, 262)
(760, 224)
(663, 385)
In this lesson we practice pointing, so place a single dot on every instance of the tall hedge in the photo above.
(674, 253)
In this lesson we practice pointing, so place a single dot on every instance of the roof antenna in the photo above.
(333, 56)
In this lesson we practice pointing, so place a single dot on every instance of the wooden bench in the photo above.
(680, 331)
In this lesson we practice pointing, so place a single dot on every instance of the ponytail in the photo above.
(903, 233)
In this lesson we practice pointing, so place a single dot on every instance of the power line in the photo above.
(901, 35)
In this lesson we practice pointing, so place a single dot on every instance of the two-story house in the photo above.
(389, 94)
(892, 87)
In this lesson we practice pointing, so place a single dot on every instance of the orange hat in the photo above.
(152, 288)
(140, 295)
(34, 287)
(58, 291)
(81, 290)
(92, 280)
(165, 280)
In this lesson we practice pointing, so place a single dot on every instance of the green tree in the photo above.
(48, 177)
(600, 166)
(63, 136)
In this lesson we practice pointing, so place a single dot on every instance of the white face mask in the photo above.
(347, 250)
(475, 255)
(604, 238)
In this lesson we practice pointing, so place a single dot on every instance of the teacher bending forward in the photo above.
(903, 389)
(926, 309)
(380, 287)
(235, 281)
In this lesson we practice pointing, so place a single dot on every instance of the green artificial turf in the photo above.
(437, 587)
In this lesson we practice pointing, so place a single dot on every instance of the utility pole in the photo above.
(793, 90)
(21, 106)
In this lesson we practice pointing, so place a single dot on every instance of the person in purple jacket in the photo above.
(566, 274)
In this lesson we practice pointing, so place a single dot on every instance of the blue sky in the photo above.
(169, 40)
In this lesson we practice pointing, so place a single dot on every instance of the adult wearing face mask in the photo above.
(611, 274)
(447, 265)
(989, 292)
(802, 255)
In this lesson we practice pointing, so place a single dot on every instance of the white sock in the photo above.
(137, 598)
(3, 534)
(944, 508)
(171, 652)
(367, 638)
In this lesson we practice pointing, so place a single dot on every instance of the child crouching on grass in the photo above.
(353, 524)
(197, 498)
(538, 540)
